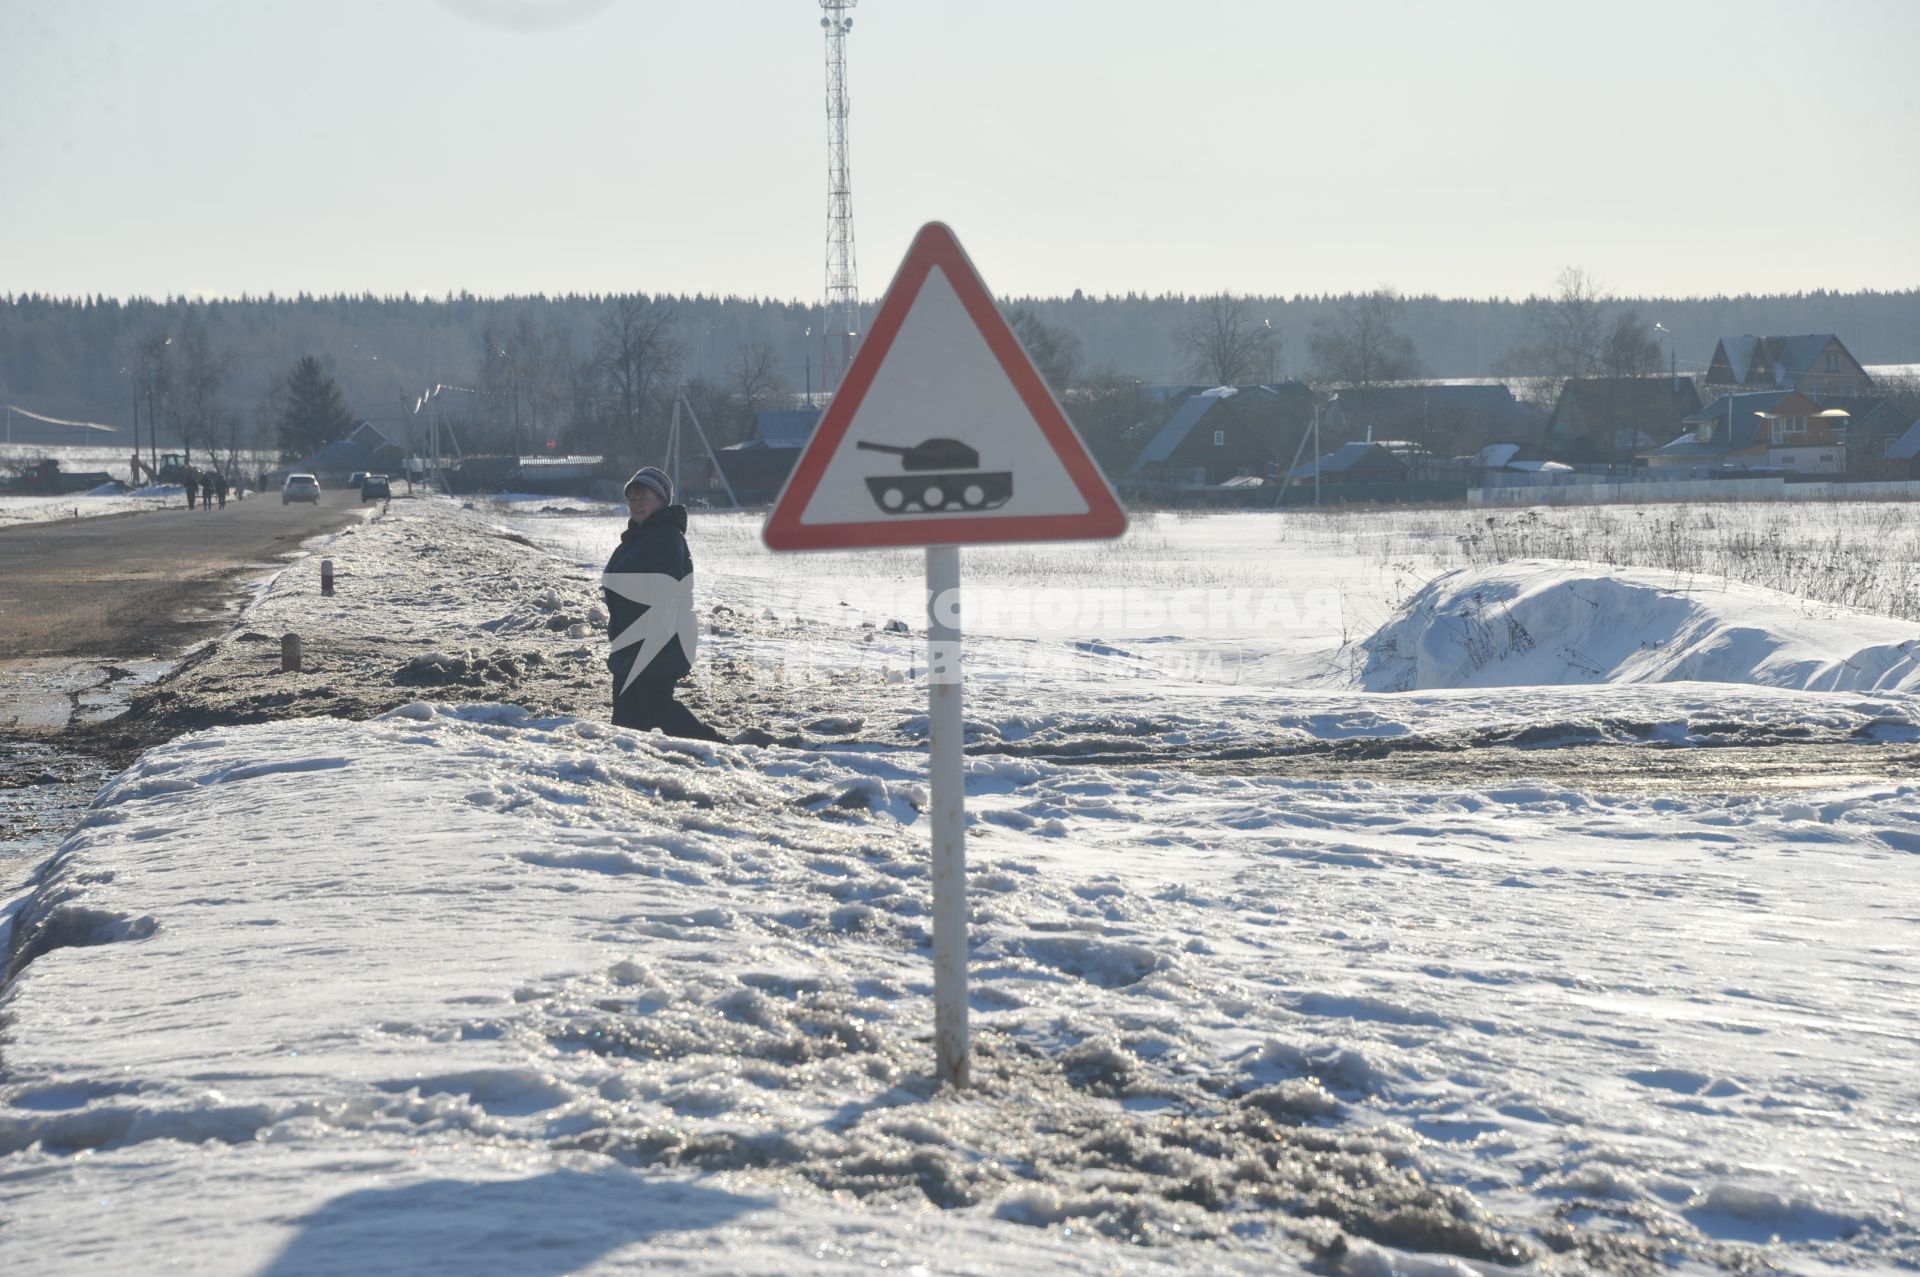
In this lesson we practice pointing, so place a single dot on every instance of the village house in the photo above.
(1813, 364)
(1222, 434)
(1610, 419)
(1783, 432)
(1443, 418)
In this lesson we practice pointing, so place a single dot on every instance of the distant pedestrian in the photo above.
(220, 488)
(193, 488)
(649, 596)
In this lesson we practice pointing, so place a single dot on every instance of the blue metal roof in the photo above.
(1735, 425)
(1907, 446)
(786, 428)
(1342, 459)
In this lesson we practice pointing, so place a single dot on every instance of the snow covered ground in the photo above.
(89, 505)
(472, 988)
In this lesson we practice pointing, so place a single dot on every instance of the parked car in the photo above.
(375, 488)
(300, 487)
(357, 478)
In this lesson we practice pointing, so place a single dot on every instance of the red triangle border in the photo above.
(936, 246)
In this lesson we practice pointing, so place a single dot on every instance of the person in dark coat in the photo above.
(651, 556)
(193, 487)
(220, 487)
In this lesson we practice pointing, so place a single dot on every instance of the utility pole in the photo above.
(515, 366)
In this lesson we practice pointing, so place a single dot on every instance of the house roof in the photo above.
(1739, 355)
(1742, 403)
(1907, 446)
(1738, 409)
(1492, 403)
(1858, 408)
(1513, 456)
(361, 448)
(785, 428)
(1348, 456)
(1784, 360)
(1163, 445)
(1636, 396)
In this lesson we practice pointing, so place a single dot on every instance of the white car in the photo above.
(300, 487)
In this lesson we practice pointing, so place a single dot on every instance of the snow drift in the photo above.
(1535, 623)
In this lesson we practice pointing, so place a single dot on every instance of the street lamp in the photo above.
(135, 383)
(516, 403)
(1673, 367)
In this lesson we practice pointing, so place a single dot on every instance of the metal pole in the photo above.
(673, 443)
(1317, 455)
(712, 456)
(947, 815)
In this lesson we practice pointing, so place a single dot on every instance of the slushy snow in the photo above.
(470, 988)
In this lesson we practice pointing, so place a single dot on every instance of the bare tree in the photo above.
(1629, 348)
(1363, 346)
(1223, 344)
(1055, 351)
(755, 382)
(200, 374)
(636, 353)
(1569, 328)
(544, 359)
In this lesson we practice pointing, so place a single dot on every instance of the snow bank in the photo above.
(1541, 623)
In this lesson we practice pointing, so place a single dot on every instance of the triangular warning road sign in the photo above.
(943, 432)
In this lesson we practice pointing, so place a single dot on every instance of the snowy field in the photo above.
(82, 505)
(89, 505)
(473, 989)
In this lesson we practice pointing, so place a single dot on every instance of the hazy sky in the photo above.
(514, 146)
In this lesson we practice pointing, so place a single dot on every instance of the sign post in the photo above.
(947, 813)
(942, 434)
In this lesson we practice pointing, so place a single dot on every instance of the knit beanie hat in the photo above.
(652, 477)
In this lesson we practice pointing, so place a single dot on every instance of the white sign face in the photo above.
(943, 432)
(940, 381)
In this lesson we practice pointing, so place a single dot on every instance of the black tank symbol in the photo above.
(919, 491)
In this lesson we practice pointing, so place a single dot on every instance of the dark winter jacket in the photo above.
(658, 545)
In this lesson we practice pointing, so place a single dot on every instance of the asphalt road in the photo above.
(144, 586)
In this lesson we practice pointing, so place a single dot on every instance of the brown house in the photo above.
(1221, 434)
(1817, 363)
(1599, 419)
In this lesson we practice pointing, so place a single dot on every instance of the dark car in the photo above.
(375, 488)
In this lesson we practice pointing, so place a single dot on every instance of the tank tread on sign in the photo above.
(921, 492)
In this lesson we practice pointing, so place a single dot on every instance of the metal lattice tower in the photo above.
(843, 284)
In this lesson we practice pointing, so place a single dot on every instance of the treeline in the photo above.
(600, 371)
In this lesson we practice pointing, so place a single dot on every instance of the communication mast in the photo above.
(843, 285)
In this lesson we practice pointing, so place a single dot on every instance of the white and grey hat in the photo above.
(652, 477)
